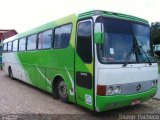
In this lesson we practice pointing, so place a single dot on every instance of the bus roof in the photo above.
(111, 14)
(41, 28)
(79, 16)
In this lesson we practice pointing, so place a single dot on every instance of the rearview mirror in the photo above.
(98, 33)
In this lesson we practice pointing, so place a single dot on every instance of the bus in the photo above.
(1, 47)
(97, 59)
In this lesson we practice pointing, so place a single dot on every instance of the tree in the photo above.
(155, 32)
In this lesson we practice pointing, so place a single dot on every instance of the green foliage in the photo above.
(155, 32)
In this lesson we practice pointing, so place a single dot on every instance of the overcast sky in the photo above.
(23, 15)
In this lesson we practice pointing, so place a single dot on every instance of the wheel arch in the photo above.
(9, 67)
(54, 83)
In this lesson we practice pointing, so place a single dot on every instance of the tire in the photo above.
(10, 73)
(61, 89)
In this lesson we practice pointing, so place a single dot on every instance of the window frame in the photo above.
(70, 23)
(51, 39)
(17, 45)
(92, 36)
(11, 46)
(6, 48)
(27, 42)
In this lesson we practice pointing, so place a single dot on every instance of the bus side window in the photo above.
(5, 47)
(32, 42)
(62, 36)
(9, 46)
(84, 41)
(22, 44)
(44, 39)
(15, 45)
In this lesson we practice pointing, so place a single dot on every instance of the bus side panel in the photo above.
(41, 77)
(62, 64)
(27, 61)
(40, 67)
(31, 74)
(51, 73)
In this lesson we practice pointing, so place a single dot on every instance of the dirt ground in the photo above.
(19, 100)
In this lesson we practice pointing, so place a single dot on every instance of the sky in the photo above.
(23, 15)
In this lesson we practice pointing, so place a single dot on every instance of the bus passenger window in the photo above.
(31, 42)
(5, 47)
(62, 36)
(9, 46)
(15, 45)
(22, 44)
(44, 39)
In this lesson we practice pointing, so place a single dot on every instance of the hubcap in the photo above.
(62, 89)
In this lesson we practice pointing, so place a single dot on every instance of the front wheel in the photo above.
(62, 91)
(10, 72)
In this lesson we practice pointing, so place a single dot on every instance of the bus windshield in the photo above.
(142, 36)
(120, 38)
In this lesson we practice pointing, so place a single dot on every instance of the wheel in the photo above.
(62, 91)
(10, 72)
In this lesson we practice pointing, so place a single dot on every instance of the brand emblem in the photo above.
(138, 87)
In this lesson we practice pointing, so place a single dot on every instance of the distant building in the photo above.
(3, 35)
(6, 34)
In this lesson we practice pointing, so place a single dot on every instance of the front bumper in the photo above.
(104, 103)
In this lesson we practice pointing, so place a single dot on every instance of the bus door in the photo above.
(84, 65)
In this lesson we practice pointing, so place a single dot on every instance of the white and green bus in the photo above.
(100, 60)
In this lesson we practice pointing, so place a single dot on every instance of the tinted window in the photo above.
(62, 36)
(31, 42)
(9, 46)
(0, 50)
(44, 39)
(84, 41)
(118, 41)
(142, 36)
(22, 44)
(15, 45)
(5, 47)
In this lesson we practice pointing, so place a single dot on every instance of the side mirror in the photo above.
(98, 33)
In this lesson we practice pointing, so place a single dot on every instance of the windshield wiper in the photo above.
(128, 56)
(140, 47)
(149, 61)
(135, 48)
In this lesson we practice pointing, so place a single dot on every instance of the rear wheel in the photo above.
(10, 72)
(62, 91)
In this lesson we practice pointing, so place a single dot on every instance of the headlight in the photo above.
(117, 89)
(153, 83)
(109, 90)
